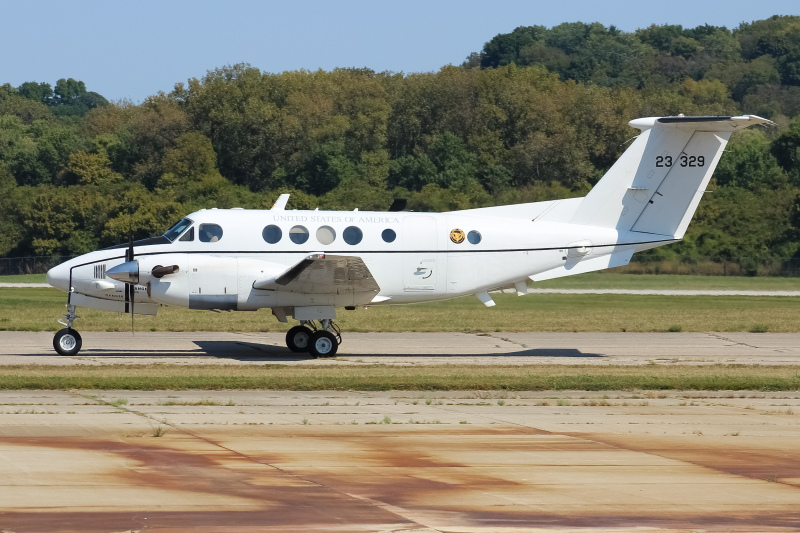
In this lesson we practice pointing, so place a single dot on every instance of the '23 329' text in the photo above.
(683, 159)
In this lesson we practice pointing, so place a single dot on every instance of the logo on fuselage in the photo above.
(457, 236)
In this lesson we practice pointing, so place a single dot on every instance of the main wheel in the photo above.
(297, 338)
(323, 344)
(67, 342)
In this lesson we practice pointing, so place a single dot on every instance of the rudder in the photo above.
(656, 185)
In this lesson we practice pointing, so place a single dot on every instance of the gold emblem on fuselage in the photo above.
(457, 236)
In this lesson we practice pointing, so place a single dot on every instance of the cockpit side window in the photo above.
(173, 232)
(209, 232)
(188, 236)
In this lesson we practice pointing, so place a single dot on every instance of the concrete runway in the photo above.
(242, 461)
(471, 462)
(413, 348)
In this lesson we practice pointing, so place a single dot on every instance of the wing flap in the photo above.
(323, 274)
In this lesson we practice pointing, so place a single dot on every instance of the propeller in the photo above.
(130, 286)
(128, 273)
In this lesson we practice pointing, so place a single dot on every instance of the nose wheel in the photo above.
(319, 341)
(67, 341)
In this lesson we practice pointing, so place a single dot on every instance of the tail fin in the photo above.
(656, 185)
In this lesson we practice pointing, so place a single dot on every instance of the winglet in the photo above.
(280, 203)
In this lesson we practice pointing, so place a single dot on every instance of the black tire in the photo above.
(298, 339)
(323, 344)
(67, 342)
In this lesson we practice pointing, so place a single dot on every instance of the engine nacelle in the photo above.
(168, 289)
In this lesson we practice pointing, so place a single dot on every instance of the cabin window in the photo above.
(389, 235)
(352, 235)
(326, 235)
(298, 234)
(272, 234)
(209, 232)
(188, 236)
(173, 232)
(474, 237)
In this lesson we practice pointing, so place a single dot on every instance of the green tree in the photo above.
(505, 48)
(786, 149)
(25, 109)
(68, 90)
(748, 163)
(38, 92)
(88, 169)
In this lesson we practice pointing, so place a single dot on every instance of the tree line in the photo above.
(538, 114)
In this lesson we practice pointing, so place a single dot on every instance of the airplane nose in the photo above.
(58, 277)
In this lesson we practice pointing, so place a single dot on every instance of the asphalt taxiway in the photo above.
(413, 348)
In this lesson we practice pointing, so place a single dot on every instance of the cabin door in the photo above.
(423, 265)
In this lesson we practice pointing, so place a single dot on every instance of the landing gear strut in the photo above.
(319, 341)
(68, 341)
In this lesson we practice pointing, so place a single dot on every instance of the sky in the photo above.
(130, 50)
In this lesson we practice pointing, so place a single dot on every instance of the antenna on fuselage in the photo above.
(280, 203)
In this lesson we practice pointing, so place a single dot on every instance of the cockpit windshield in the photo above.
(175, 231)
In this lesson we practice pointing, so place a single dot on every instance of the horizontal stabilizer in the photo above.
(618, 258)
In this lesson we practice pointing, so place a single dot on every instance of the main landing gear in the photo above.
(319, 342)
(68, 341)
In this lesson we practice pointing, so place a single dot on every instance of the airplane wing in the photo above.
(323, 274)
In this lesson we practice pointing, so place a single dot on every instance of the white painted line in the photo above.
(665, 292)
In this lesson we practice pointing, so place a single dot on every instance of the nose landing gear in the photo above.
(322, 341)
(67, 341)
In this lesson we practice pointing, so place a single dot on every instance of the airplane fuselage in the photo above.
(413, 257)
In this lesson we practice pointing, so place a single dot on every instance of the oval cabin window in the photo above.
(388, 235)
(298, 234)
(272, 234)
(352, 235)
(326, 235)
(474, 237)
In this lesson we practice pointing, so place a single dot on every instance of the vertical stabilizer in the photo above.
(656, 185)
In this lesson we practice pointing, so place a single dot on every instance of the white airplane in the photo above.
(305, 264)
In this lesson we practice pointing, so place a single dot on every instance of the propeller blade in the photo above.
(129, 256)
(129, 251)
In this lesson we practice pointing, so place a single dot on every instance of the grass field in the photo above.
(611, 280)
(379, 377)
(24, 278)
(37, 310)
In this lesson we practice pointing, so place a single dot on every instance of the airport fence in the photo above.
(10, 266)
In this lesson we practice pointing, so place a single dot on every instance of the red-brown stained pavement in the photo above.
(471, 462)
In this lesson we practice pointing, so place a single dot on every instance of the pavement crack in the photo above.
(510, 341)
(726, 339)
